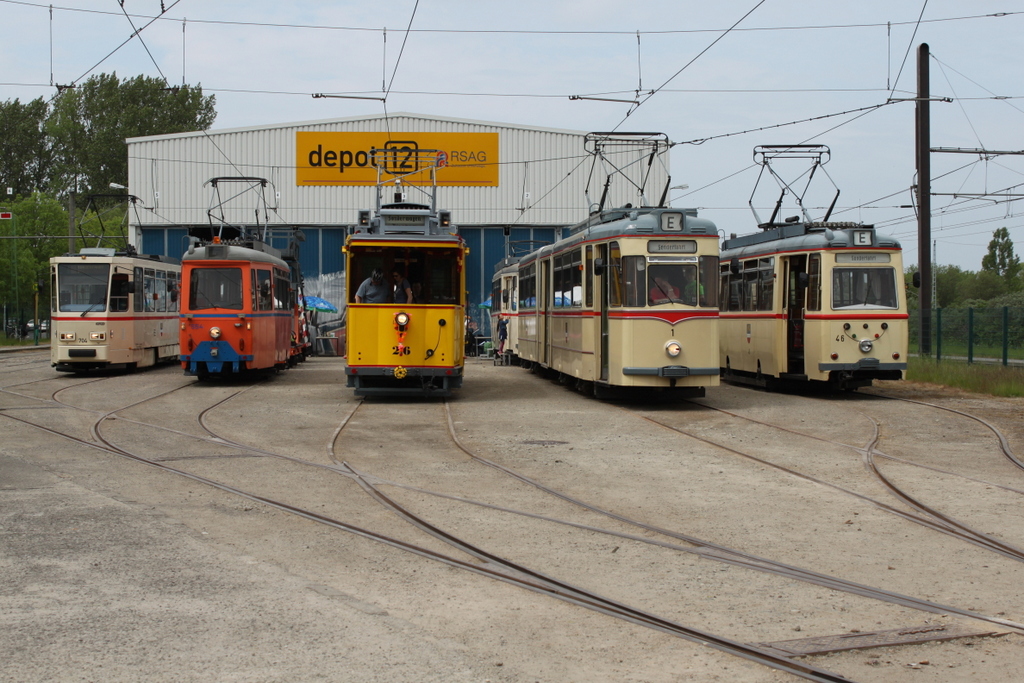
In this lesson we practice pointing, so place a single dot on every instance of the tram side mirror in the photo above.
(599, 266)
(734, 267)
(917, 279)
(802, 280)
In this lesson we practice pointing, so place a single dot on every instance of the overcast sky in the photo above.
(520, 62)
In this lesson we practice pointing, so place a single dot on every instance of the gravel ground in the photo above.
(116, 570)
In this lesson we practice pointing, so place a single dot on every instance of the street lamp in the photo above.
(117, 186)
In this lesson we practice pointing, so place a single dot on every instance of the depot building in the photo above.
(510, 189)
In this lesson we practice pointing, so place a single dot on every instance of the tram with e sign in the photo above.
(806, 301)
(627, 303)
(406, 284)
(113, 308)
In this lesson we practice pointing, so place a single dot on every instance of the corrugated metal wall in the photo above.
(169, 173)
(545, 178)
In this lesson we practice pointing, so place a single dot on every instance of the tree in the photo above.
(25, 262)
(1001, 260)
(90, 123)
(25, 150)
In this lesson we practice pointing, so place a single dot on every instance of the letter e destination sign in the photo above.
(343, 158)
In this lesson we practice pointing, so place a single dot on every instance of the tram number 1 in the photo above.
(400, 351)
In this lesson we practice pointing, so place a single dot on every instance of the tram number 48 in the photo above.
(403, 351)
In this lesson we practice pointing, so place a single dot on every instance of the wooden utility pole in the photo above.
(924, 200)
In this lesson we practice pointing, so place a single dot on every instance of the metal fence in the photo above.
(976, 335)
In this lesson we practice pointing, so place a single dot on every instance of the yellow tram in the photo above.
(406, 334)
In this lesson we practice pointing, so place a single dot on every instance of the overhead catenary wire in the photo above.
(552, 32)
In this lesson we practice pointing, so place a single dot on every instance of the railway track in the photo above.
(483, 562)
(923, 514)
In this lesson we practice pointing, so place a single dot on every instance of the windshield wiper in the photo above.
(91, 308)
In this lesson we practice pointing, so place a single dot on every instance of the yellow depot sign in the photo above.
(352, 158)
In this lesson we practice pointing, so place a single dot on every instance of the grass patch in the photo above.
(995, 380)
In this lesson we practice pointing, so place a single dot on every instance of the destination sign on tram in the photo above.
(863, 258)
(672, 247)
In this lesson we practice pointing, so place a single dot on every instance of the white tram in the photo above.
(813, 301)
(629, 301)
(113, 308)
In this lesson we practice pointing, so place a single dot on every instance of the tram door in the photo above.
(599, 285)
(796, 291)
(544, 309)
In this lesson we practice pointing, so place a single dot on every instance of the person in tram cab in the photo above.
(662, 291)
(373, 290)
(403, 290)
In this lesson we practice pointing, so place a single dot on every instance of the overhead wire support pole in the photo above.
(924, 202)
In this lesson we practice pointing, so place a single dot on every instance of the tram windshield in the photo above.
(215, 288)
(82, 286)
(658, 280)
(864, 288)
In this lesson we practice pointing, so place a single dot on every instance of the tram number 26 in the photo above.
(400, 350)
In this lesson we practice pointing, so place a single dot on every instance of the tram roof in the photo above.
(806, 236)
(244, 251)
(107, 253)
(629, 222)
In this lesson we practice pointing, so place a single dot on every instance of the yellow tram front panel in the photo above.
(434, 336)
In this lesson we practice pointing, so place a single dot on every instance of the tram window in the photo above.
(614, 274)
(864, 288)
(672, 283)
(588, 277)
(264, 290)
(173, 289)
(138, 295)
(707, 285)
(576, 278)
(442, 278)
(281, 297)
(559, 282)
(119, 292)
(149, 289)
(750, 290)
(527, 287)
(814, 283)
(160, 290)
(83, 286)
(634, 278)
(215, 288)
(766, 285)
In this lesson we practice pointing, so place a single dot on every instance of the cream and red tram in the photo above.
(808, 301)
(113, 308)
(628, 301)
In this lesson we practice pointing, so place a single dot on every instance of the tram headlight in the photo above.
(97, 336)
(866, 345)
(215, 332)
(402, 318)
(673, 349)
